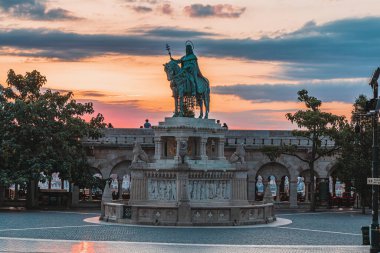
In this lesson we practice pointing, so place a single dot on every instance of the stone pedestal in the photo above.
(204, 190)
(106, 198)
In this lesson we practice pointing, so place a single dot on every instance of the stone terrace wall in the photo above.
(254, 138)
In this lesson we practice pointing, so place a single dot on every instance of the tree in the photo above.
(41, 132)
(315, 126)
(354, 164)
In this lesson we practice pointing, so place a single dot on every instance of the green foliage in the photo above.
(354, 164)
(41, 131)
(318, 127)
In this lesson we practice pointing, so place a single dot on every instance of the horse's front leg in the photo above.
(176, 106)
(207, 105)
(200, 103)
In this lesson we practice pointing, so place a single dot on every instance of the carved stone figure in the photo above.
(273, 186)
(286, 185)
(260, 185)
(183, 150)
(238, 155)
(139, 154)
(187, 83)
(268, 198)
(301, 186)
(162, 189)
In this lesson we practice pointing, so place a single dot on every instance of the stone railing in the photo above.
(253, 138)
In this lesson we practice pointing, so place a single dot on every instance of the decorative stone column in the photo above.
(184, 211)
(157, 148)
(221, 149)
(293, 194)
(202, 148)
(278, 191)
(139, 186)
(106, 198)
(239, 188)
(179, 139)
(120, 187)
(307, 199)
(251, 188)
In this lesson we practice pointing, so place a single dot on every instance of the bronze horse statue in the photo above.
(181, 88)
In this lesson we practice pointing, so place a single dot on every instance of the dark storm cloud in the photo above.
(219, 10)
(141, 9)
(34, 9)
(141, 1)
(326, 91)
(344, 48)
(171, 32)
(72, 46)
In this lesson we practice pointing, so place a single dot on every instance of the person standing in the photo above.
(147, 124)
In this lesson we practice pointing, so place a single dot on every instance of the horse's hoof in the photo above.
(200, 116)
(206, 116)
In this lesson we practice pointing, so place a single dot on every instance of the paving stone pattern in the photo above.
(329, 228)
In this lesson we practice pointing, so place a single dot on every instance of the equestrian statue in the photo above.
(190, 88)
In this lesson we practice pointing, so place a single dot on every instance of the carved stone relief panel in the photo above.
(162, 189)
(209, 189)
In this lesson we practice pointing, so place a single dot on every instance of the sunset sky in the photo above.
(256, 53)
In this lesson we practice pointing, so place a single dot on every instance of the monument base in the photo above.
(190, 216)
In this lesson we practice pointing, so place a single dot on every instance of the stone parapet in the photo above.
(251, 138)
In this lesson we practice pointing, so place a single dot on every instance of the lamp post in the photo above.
(375, 188)
(372, 108)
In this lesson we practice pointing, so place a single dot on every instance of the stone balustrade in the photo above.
(253, 138)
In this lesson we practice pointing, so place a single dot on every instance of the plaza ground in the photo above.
(76, 231)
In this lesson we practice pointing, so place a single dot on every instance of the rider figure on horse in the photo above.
(190, 65)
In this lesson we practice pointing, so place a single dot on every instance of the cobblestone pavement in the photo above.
(316, 232)
(42, 246)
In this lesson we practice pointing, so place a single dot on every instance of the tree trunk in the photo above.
(2, 194)
(31, 196)
(312, 189)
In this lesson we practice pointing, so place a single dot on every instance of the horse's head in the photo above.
(171, 69)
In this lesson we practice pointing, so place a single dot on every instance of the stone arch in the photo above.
(121, 168)
(276, 184)
(306, 196)
(339, 186)
(94, 171)
(331, 169)
(273, 168)
(121, 178)
(111, 163)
